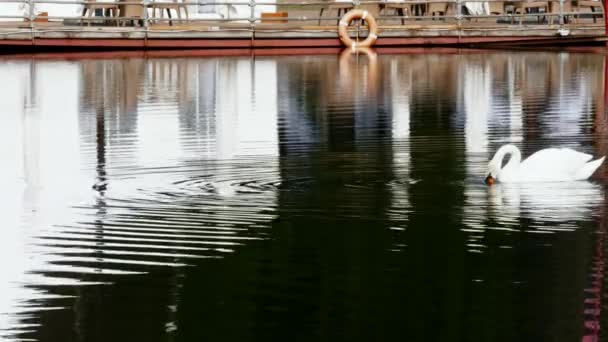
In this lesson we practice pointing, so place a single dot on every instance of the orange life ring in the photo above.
(372, 27)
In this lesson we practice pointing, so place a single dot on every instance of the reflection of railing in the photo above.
(406, 12)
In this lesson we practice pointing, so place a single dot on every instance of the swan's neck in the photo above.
(496, 163)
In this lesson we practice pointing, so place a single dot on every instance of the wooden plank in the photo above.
(274, 15)
(74, 42)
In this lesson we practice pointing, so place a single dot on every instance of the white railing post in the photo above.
(252, 13)
(145, 12)
(356, 4)
(459, 16)
(32, 16)
(146, 20)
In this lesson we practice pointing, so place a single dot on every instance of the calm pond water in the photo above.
(298, 198)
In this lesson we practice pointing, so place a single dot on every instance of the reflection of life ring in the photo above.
(370, 53)
(372, 27)
(346, 79)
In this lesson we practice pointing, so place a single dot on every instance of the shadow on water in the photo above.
(301, 198)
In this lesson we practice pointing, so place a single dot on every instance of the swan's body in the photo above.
(548, 165)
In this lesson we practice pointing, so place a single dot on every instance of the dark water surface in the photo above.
(298, 199)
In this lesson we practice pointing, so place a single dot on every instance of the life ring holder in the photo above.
(370, 21)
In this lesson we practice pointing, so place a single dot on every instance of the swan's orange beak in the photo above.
(490, 180)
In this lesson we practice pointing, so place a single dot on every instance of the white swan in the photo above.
(548, 165)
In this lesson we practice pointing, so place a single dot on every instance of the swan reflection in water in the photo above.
(544, 203)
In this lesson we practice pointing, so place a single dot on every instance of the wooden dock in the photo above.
(301, 33)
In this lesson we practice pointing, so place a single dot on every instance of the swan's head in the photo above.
(490, 180)
(493, 169)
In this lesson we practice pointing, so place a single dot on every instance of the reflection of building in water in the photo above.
(360, 176)
(431, 238)
(329, 84)
(346, 108)
(435, 82)
(109, 94)
(16, 95)
(400, 91)
(556, 89)
(17, 88)
(575, 92)
(514, 102)
(46, 153)
(246, 107)
(302, 115)
(601, 118)
(186, 111)
(535, 90)
(182, 108)
(115, 117)
(476, 92)
(42, 163)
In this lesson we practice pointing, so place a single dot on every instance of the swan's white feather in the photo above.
(588, 169)
(548, 165)
(555, 162)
